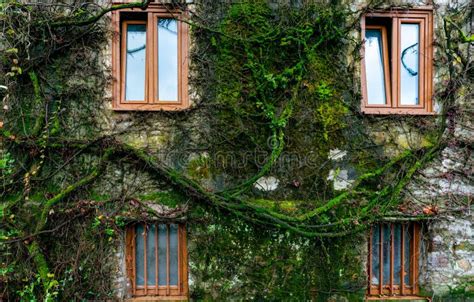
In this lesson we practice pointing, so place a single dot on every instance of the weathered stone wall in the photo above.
(448, 244)
(86, 171)
(449, 256)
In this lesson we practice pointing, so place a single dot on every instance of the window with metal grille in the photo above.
(393, 259)
(157, 260)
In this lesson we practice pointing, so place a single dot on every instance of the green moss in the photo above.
(331, 115)
(199, 168)
(264, 203)
(167, 198)
(288, 206)
(465, 288)
(464, 246)
(462, 292)
(96, 196)
(277, 84)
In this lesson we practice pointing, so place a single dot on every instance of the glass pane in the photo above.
(173, 254)
(409, 56)
(397, 236)
(140, 255)
(386, 253)
(407, 254)
(162, 243)
(167, 60)
(135, 62)
(375, 254)
(150, 251)
(374, 67)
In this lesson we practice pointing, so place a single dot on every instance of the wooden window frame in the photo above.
(424, 17)
(160, 292)
(388, 289)
(151, 103)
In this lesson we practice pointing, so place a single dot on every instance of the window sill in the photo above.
(400, 298)
(386, 111)
(157, 298)
(149, 107)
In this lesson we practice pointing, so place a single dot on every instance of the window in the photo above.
(156, 259)
(149, 55)
(397, 62)
(393, 259)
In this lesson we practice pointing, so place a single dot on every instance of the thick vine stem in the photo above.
(464, 37)
(237, 205)
(71, 188)
(34, 248)
(39, 122)
(278, 219)
(93, 19)
(41, 264)
(78, 173)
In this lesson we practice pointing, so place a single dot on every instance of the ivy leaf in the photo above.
(12, 50)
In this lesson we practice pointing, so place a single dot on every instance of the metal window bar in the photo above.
(145, 231)
(392, 255)
(134, 273)
(156, 260)
(370, 268)
(402, 260)
(381, 258)
(167, 259)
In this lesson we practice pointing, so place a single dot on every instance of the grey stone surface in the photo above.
(447, 260)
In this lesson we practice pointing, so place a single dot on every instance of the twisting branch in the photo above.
(96, 17)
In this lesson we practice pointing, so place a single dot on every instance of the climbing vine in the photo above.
(274, 95)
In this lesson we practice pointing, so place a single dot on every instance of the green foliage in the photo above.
(167, 198)
(6, 164)
(199, 168)
(273, 266)
(266, 63)
(29, 292)
(272, 82)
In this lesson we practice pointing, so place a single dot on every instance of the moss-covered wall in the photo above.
(274, 170)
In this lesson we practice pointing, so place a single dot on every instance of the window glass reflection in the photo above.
(407, 237)
(173, 254)
(150, 252)
(397, 244)
(140, 254)
(167, 60)
(375, 255)
(162, 252)
(409, 56)
(386, 253)
(374, 67)
(135, 62)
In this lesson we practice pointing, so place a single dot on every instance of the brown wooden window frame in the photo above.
(388, 290)
(424, 17)
(153, 12)
(152, 292)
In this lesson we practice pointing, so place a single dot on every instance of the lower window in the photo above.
(393, 259)
(157, 260)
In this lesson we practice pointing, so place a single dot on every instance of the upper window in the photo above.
(150, 59)
(393, 259)
(156, 259)
(397, 62)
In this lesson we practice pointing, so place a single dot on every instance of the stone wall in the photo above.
(449, 256)
(448, 244)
